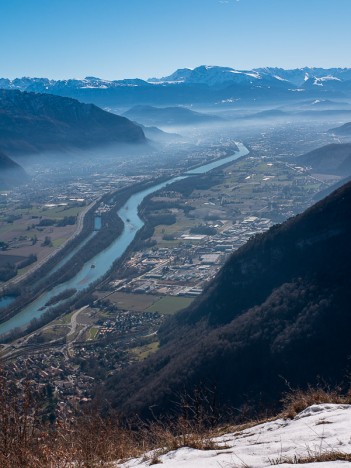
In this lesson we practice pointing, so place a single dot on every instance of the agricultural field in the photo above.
(36, 231)
(253, 186)
(142, 352)
(170, 304)
(132, 302)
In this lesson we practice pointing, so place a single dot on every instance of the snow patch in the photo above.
(321, 80)
(277, 77)
(317, 429)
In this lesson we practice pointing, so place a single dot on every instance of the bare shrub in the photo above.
(20, 436)
(91, 440)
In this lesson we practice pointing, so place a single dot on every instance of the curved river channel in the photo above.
(95, 268)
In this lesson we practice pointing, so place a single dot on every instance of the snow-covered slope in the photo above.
(318, 430)
(299, 75)
(214, 76)
(42, 85)
(202, 75)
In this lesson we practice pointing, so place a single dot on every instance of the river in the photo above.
(95, 268)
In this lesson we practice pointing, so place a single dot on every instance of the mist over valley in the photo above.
(174, 234)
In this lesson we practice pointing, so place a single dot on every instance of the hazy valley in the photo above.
(159, 237)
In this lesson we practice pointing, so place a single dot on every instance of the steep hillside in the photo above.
(277, 315)
(327, 191)
(31, 123)
(343, 130)
(329, 159)
(11, 173)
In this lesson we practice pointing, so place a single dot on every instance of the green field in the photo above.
(53, 332)
(142, 352)
(92, 332)
(58, 242)
(55, 213)
(64, 319)
(170, 304)
(134, 302)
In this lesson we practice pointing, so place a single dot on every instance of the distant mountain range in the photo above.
(203, 84)
(33, 123)
(169, 116)
(214, 75)
(11, 173)
(276, 317)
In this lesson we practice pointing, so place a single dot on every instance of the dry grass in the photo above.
(298, 400)
(328, 456)
(89, 440)
(86, 439)
(27, 441)
(172, 435)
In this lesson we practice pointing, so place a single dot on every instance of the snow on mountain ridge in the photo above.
(209, 75)
(322, 79)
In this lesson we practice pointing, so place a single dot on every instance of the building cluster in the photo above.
(47, 367)
(126, 322)
(186, 268)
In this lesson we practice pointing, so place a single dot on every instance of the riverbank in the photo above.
(32, 301)
(99, 265)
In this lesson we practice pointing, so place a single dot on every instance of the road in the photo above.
(72, 331)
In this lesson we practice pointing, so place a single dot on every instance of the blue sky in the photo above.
(116, 39)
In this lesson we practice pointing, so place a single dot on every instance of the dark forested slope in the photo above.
(32, 123)
(278, 312)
